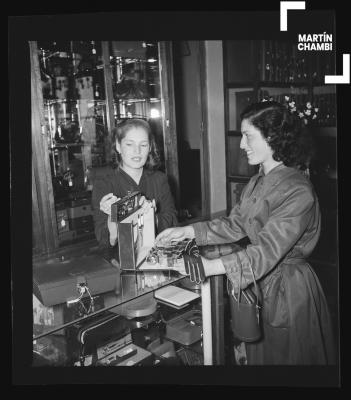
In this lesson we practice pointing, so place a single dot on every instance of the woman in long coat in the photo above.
(279, 214)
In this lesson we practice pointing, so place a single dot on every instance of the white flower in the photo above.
(293, 109)
(309, 105)
(301, 114)
(308, 112)
(263, 100)
(287, 98)
(316, 110)
(314, 116)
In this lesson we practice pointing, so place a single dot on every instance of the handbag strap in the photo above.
(240, 280)
(254, 280)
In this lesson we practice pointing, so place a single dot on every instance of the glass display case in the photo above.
(96, 328)
(80, 91)
(88, 87)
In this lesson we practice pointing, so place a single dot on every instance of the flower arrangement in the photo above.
(307, 112)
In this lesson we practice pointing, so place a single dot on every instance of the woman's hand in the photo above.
(106, 202)
(174, 235)
(105, 206)
(199, 268)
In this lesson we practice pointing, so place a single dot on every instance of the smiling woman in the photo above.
(256, 147)
(133, 144)
(135, 170)
(278, 218)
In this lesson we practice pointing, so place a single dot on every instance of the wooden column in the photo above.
(168, 116)
(204, 151)
(109, 98)
(43, 208)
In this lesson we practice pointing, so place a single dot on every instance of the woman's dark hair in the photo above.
(120, 132)
(284, 132)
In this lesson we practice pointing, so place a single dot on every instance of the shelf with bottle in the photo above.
(324, 99)
(285, 85)
(281, 62)
(50, 102)
(77, 122)
(277, 84)
(321, 65)
(136, 79)
(69, 75)
(137, 108)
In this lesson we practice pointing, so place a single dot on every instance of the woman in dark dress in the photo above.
(137, 159)
(279, 215)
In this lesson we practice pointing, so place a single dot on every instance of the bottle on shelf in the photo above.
(268, 61)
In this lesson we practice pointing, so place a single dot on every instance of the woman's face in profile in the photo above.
(134, 148)
(253, 143)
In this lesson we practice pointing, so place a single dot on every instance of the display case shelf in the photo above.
(283, 84)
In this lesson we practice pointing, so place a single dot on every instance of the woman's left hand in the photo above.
(194, 268)
(199, 268)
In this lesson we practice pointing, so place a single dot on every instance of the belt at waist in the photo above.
(294, 260)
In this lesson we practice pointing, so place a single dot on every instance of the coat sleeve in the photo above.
(101, 187)
(166, 214)
(284, 228)
(222, 230)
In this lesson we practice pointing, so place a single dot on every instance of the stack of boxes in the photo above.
(74, 219)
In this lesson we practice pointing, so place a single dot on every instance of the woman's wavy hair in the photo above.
(283, 131)
(120, 132)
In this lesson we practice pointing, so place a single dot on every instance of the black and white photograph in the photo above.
(184, 213)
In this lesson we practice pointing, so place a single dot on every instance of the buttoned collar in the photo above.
(275, 175)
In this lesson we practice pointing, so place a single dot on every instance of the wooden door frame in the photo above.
(43, 207)
(204, 149)
(108, 82)
(168, 117)
(170, 128)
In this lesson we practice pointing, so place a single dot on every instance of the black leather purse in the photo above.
(245, 311)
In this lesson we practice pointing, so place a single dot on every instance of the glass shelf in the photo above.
(136, 80)
(48, 102)
(48, 320)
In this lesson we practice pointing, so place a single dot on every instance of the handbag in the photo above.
(245, 311)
